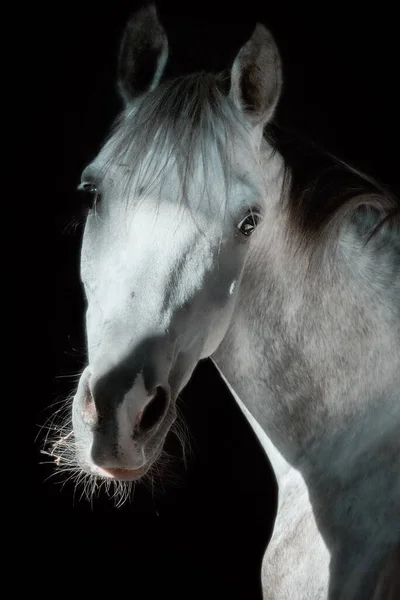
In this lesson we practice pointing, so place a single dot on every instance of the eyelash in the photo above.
(90, 193)
(254, 214)
(84, 208)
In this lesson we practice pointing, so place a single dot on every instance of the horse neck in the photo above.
(316, 360)
(314, 363)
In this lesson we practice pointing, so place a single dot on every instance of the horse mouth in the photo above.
(121, 474)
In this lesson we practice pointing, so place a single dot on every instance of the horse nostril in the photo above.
(154, 410)
(89, 414)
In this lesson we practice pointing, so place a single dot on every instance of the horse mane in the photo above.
(321, 192)
(179, 123)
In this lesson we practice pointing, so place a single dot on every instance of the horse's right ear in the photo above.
(143, 54)
(256, 77)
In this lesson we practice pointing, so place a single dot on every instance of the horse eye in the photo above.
(249, 223)
(90, 194)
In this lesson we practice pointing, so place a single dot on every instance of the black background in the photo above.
(203, 534)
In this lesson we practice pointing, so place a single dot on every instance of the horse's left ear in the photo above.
(256, 77)
(143, 54)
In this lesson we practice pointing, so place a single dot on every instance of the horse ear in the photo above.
(143, 54)
(256, 77)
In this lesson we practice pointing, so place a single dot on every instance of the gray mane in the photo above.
(177, 124)
(321, 192)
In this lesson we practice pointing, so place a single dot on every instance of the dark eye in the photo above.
(90, 194)
(249, 223)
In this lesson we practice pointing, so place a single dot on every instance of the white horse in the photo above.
(206, 236)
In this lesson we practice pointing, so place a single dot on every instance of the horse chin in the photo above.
(121, 474)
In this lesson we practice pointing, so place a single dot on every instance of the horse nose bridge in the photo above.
(125, 330)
